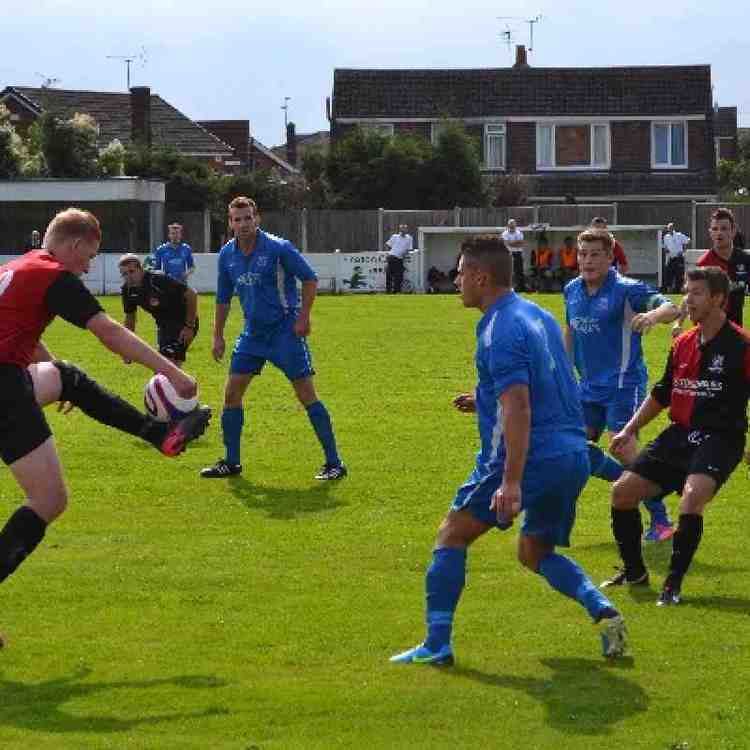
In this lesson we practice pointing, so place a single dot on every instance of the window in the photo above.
(381, 128)
(572, 146)
(668, 145)
(494, 146)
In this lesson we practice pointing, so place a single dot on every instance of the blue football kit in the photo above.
(265, 281)
(174, 260)
(607, 352)
(520, 343)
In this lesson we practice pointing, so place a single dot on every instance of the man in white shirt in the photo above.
(674, 244)
(513, 239)
(398, 246)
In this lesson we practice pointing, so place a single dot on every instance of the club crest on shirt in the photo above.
(717, 364)
(261, 262)
(602, 305)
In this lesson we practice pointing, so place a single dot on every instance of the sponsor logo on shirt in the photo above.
(585, 325)
(248, 279)
(698, 388)
(717, 364)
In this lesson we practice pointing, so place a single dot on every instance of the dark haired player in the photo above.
(706, 385)
(35, 289)
(171, 303)
(533, 454)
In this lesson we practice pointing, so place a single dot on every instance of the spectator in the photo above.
(513, 238)
(398, 246)
(35, 241)
(739, 240)
(568, 261)
(620, 260)
(175, 257)
(674, 243)
(542, 262)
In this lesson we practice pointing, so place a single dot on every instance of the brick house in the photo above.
(591, 133)
(726, 133)
(137, 115)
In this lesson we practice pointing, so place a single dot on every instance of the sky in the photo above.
(239, 59)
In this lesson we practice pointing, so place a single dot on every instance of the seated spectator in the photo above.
(542, 261)
(438, 282)
(35, 241)
(568, 261)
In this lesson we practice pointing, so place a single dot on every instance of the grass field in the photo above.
(165, 611)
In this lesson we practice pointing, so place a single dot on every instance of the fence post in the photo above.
(381, 239)
(456, 216)
(536, 214)
(694, 225)
(614, 213)
(303, 230)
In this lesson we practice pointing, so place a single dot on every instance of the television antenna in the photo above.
(285, 107)
(507, 37)
(129, 60)
(530, 21)
(48, 82)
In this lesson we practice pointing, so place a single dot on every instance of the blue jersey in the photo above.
(606, 351)
(520, 343)
(265, 281)
(174, 260)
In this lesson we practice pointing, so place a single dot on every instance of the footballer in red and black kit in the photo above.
(737, 267)
(706, 386)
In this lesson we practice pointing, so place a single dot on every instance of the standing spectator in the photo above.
(568, 261)
(674, 244)
(619, 259)
(175, 257)
(722, 230)
(513, 239)
(739, 240)
(398, 246)
(35, 241)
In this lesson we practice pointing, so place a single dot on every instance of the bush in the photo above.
(509, 190)
(69, 146)
(112, 160)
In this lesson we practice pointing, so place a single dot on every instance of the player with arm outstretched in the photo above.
(33, 290)
(263, 270)
(533, 455)
(606, 315)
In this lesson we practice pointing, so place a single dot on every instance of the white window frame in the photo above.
(381, 128)
(591, 166)
(669, 124)
(495, 129)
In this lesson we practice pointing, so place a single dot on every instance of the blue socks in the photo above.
(603, 465)
(232, 420)
(321, 422)
(655, 506)
(567, 577)
(444, 583)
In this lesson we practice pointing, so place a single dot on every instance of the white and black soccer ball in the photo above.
(162, 401)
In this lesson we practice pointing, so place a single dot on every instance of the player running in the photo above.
(33, 290)
(263, 271)
(533, 454)
(606, 315)
(706, 385)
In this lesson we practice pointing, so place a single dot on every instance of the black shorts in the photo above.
(678, 452)
(168, 336)
(23, 426)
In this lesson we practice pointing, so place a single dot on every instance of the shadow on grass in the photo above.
(732, 604)
(281, 503)
(582, 696)
(38, 706)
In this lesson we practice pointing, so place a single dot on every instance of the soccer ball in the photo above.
(162, 401)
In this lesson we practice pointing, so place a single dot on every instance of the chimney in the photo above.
(521, 61)
(291, 145)
(140, 115)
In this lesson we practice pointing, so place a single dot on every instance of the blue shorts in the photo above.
(549, 493)
(615, 412)
(284, 349)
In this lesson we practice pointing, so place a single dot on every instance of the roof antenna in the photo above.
(129, 60)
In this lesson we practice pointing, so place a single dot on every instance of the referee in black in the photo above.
(172, 304)
(705, 385)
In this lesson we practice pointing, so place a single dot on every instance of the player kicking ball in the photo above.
(533, 456)
(33, 290)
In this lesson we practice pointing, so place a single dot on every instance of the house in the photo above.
(320, 139)
(592, 133)
(137, 115)
(726, 133)
(250, 153)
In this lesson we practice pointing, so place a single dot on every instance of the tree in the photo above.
(10, 147)
(112, 159)
(454, 172)
(69, 146)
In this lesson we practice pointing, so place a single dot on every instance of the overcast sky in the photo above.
(233, 59)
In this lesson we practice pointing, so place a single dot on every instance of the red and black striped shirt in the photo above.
(707, 386)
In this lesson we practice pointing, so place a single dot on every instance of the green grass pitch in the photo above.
(164, 611)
